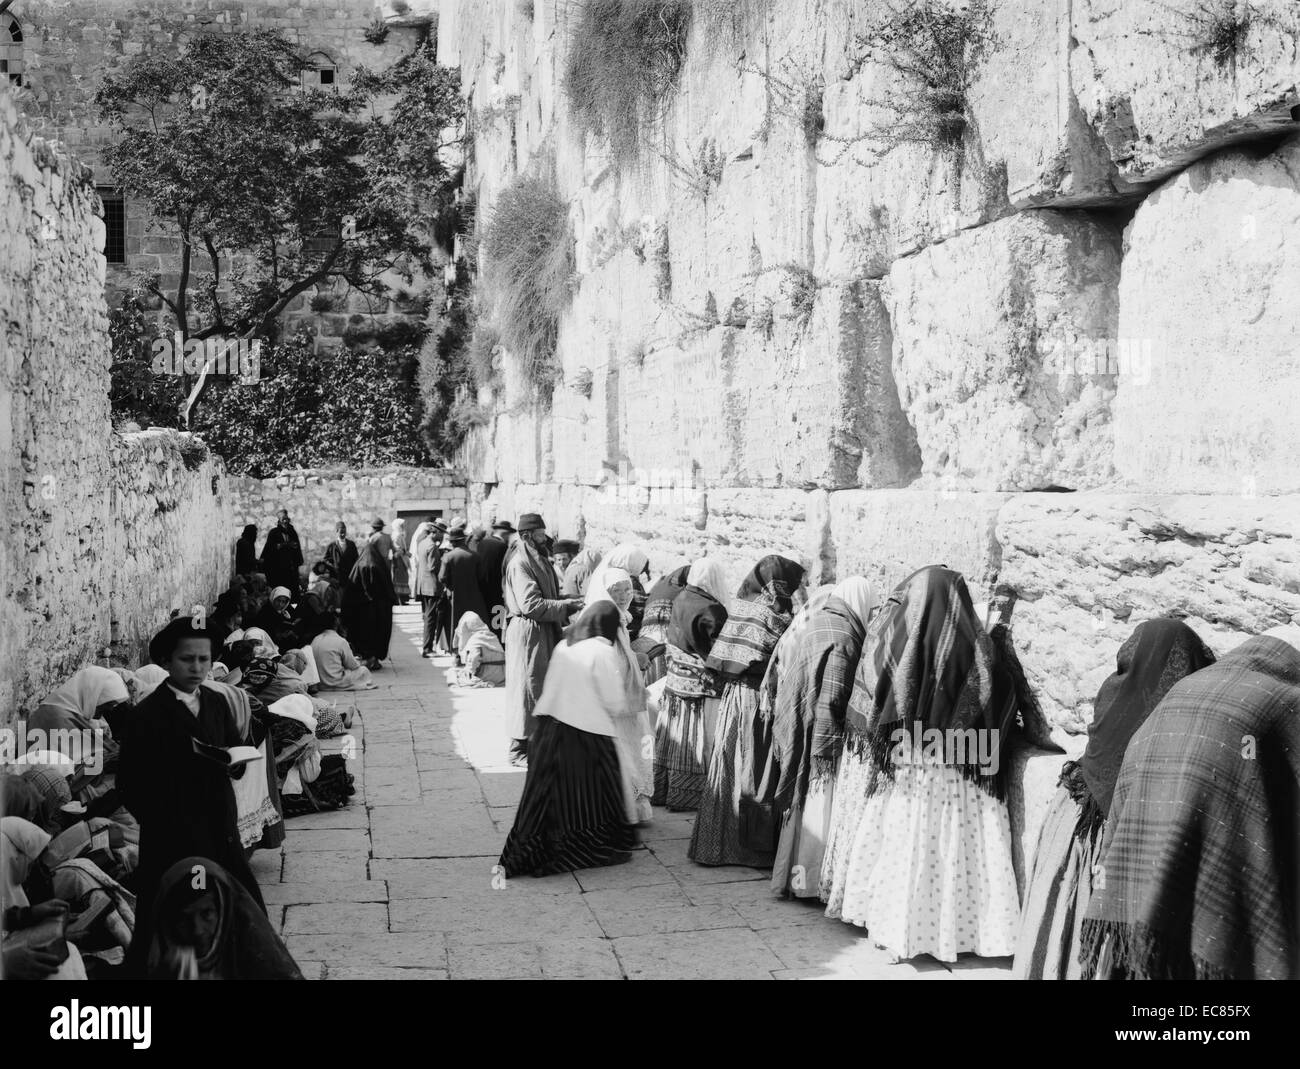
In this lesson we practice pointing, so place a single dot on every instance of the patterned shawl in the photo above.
(659, 602)
(809, 720)
(1202, 846)
(787, 651)
(933, 666)
(1153, 658)
(759, 614)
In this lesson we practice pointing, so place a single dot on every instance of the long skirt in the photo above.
(401, 579)
(801, 848)
(1057, 894)
(732, 828)
(683, 746)
(930, 869)
(852, 782)
(571, 815)
(635, 746)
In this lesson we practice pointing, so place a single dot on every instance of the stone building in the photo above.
(65, 48)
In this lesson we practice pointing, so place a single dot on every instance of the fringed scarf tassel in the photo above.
(1139, 952)
(880, 746)
(1091, 817)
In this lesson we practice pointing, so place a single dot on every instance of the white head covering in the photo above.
(265, 647)
(624, 557)
(280, 592)
(87, 690)
(632, 676)
(857, 594)
(149, 676)
(707, 574)
(21, 843)
(584, 687)
(234, 636)
(296, 707)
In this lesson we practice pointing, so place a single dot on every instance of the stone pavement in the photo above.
(400, 884)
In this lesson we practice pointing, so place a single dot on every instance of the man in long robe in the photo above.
(282, 555)
(491, 558)
(341, 554)
(458, 577)
(537, 615)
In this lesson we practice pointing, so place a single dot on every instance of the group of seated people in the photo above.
(129, 819)
(862, 751)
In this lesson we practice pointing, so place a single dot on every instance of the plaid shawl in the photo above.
(689, 677)
(932, 666)
(809, 719)
(787, 652)
(659, 602)
(758, 616)
(1202, 846)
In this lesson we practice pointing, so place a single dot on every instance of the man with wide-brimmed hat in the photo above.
(537, 615)
(458, 578)
(490, 558)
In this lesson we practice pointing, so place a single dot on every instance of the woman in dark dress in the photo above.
(184, 802)
(246, 551)
(371, 598)
(573, 812)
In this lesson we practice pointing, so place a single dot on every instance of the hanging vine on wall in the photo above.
(1222, 30)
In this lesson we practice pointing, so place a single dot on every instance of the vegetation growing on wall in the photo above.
(1221, 29)
(528, 249)
(933, 51)
(622, 64)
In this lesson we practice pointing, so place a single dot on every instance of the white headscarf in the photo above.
(295, 707)
(857, 594)
(265, 647)
(624, 557)
(707, 574)
(584, 687)
(149, 676)
(86, 691)
(21, 843)
(281, 592)
(633, 678)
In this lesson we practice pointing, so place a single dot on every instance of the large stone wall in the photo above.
(877, 362)
(102, 535)
(318, 498)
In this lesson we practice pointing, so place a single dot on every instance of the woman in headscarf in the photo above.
(578, 574)
(920, 846)
(808, 730)
(246, 551)
(207, 927)
(401, 564)
(67, 717)
(632, 559)
(1198, 874)
(613, 586)
(277, 620)
(485, 660)
(21, 843)
(573, 812)
(372, 595)
(1152, 659)
(733, 828)
(651, 641)
(684, 728)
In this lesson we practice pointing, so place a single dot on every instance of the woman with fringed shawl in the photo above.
(1201, 849)
(684, 728)
(613, 586)
(652, 639)
(1152, 659)
(733, 828)
(920, 846)
(807, 725)
(574, 812)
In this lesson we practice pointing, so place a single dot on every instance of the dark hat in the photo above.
(440, 524)
(377, 524)
(456, 532)
(531, 521)
(567, 545)
(504, 525)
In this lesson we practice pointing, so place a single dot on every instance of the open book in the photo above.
(230, 757)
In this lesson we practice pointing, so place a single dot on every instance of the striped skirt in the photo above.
(683, 745)
(571, 815)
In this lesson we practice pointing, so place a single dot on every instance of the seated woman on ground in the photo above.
(277, 619)
(207, 927)
(24, 956)
(480, 650)
(339, 669)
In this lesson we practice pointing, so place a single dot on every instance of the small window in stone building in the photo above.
(114, 226)
(322, 72)
(11, 50)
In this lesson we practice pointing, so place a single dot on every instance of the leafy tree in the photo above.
(350, 405)
(273, 188)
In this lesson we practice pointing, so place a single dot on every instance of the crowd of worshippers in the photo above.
(861, 749)
(129, 822)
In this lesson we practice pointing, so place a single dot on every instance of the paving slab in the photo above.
(495, 918)
(720, 954)
(346, 917)
(315, 891)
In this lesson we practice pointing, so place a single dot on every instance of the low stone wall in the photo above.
(318, 498)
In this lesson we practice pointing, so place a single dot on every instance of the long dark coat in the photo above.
(491, 557)
(458, 575)
(282, 557)
(185, 804)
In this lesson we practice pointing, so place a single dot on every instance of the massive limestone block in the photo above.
(1087, 568)
(668, 524)
(1163, 82)
(886, 535)
(978, 323)
(1208, 301)
(746, 525)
